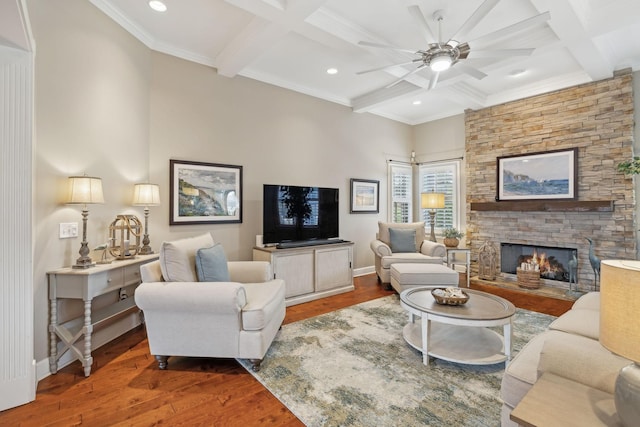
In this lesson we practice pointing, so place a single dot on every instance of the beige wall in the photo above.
(438, 140)
(108, 106)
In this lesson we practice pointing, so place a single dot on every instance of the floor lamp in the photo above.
(432, 201)
(146, 195)
(620, 331)
(84, 190)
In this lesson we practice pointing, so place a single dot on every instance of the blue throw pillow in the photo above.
(402, 239)
(211, 264)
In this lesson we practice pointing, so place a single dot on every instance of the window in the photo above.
(442, 177)
(401, 183)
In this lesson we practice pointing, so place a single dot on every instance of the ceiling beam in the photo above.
(378, 97)
(566, 24)
(272, 22)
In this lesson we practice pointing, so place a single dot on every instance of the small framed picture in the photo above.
(204, 193)
(365, 196)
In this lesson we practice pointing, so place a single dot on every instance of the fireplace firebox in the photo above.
(552, 262)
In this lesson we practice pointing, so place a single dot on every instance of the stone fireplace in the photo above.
(597, 119)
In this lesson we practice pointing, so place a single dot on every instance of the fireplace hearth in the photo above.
(552, 262)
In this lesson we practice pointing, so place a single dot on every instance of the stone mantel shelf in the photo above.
(545, 206)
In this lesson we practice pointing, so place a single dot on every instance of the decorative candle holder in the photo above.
(124, 236)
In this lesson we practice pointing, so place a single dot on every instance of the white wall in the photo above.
(108, 106)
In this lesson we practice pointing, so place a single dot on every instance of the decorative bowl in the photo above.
(445, 297)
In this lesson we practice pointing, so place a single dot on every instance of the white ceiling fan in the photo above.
(439, 56)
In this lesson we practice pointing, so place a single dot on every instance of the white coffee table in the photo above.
(459, 333)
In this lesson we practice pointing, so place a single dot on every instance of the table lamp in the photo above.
(620, 331)
(84, 190)
(432, 201)
(146, 195)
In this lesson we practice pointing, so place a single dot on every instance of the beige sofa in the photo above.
(424, 251)
(570, 349)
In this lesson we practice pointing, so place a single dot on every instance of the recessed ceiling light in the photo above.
(517, 73)
(158, 6)
(332, 71)
(417, 102)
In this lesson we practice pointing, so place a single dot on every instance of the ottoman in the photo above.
(405, 276)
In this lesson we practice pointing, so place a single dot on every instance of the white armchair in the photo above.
(237, 318)
(389, 251)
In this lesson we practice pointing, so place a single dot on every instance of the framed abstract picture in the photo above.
(535, 176)
(204, 193)
(365, 196)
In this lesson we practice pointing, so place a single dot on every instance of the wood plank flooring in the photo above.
(126, 388)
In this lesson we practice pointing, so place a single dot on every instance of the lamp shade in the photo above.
(620, 308)
(146, 195)
(85, 190)
(432, 200)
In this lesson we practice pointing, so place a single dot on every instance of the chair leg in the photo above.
(163, 361)
(255, 364)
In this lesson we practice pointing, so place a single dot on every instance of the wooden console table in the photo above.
(86, 284)
(554, 401)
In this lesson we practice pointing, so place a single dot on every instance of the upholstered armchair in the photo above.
(403, 243)
(196, 304)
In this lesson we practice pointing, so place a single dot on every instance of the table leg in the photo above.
(468, 271)
(426, 332)
(508, 341)
(53, 344)
(88, 329)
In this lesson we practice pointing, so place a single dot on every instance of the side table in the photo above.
(554, 401)
(86, 284)
(451, 259)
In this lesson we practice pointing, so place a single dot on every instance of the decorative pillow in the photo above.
(211, 264)
(178, 258)
(402, 239)
(383, 230)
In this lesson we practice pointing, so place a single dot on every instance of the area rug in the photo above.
(352, 367)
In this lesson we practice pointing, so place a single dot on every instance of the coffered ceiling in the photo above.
(292, 44)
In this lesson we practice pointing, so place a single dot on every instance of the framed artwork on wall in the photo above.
(204, 193)
(545, 175)
(365, 196)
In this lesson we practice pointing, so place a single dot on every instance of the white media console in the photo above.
(311, 272)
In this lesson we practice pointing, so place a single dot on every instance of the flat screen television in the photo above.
(298, 214)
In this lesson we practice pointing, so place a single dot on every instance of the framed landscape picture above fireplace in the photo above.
(536, 176)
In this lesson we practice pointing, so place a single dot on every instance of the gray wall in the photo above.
(108, 106)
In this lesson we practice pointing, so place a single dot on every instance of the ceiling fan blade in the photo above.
(474, 19)
(473, 72)
(434, 80)
(385, 46)
(387, 67)
(499, 53)
(415, 70)
(543, 17)
(418, 17)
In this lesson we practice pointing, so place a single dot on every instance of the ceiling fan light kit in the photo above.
(440, 61)
(440, 56)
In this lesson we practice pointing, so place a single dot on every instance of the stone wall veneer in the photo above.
(597, 118)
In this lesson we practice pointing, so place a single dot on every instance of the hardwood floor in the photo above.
(126, 387)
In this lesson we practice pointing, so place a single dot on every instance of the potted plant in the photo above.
(630, 167)
(452, 237)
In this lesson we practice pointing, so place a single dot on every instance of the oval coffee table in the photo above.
(459, 333)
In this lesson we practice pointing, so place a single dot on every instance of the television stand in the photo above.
(303, 243)
(311, 272)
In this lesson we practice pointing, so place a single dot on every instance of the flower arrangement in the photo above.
(452, 233)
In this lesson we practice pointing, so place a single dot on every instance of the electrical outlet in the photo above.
(68, 230)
